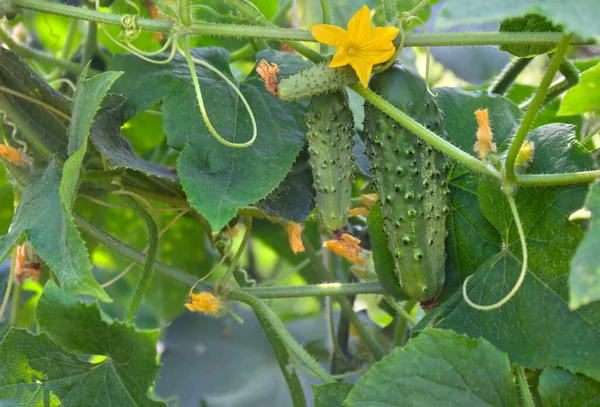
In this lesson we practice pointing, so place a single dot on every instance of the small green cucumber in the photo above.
(315, 80)
(330, 126)
(410, 180)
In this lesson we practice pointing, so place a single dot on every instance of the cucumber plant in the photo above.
(210, 162)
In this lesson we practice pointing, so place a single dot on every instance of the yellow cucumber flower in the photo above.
(360, 46)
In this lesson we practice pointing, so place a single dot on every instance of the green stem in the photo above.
(526, 396)
(392, 303)
(436, 141)
(547, 180)
(184, 12)
(418, 7)
(274, 32)
(571, 74)
(264, 312)
(140, 290)
(9, 284)
(508, 75)
(326, 11)
(374, 346)
(91, 43)
(534, 107)
(15, 305)
(236, 259)
(402, 322)
(320, 290)
(257, 17)
(40, 56)
(65, 53)
(316, 290)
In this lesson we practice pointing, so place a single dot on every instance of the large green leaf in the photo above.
(218, 180)
(49, 228)
(472, 239)
(584, 280)
(438, 368)
(559, 388)
(130, 367)
(86, 102)
(585, 96)
(53, 364)
(579, 18)
(535, 327)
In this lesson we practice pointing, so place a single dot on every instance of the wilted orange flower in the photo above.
(11, 154)
(294, 231)
(525, 154)
(360, 211)
(205, 303)
(348, 247)
(268, 73)
(361, 46)
(25, 269)
(369, 200)
(484, 142)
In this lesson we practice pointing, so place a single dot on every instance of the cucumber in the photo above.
(315, 80)
(410, 180)
(330, 127)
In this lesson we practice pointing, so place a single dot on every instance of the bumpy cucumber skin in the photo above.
(411, 182)
(330, 143)
(315, 80)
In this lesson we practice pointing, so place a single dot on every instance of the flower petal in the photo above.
(384, 33)
(329, 34)
(359, 26)
(340, 58)
(384, 57)
(363, 69)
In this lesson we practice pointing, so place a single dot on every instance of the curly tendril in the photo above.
(515, 213)
(185, 50)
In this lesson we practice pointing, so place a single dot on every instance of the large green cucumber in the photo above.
(410, 180)
(330, 125)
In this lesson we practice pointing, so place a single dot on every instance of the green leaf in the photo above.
(578, 18)
(129, 369)
(535, 327)
(528, 23)
(42, 218)
(583, 97)
(47, 128)
(584, 280)
(559, 388)
(331, 394)
(218, 180)
(472, 239)
(383, 259)
(438, 368)
(86, 102)
(294, 198)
